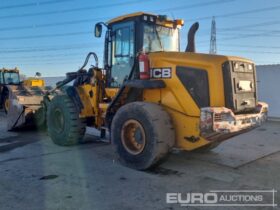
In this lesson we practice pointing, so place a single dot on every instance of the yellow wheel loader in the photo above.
(21, 100)
(8, 77)
(152, 97)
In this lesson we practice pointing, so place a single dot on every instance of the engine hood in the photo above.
(193, 58)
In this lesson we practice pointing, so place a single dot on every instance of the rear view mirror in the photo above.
(98, 30)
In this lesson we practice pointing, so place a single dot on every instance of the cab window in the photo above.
(122, 48)
(11, 78)
(1, 78)
(122, 53)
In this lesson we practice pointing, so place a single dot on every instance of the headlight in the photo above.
(250, 67)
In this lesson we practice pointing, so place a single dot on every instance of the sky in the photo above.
(54, 36)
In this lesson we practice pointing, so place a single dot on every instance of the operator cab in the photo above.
(128, 35)
(9, 77)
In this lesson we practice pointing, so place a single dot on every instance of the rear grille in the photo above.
(217, 117)
(196, 83)
(239, 86)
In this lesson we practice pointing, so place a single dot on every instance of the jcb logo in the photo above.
(159, 73)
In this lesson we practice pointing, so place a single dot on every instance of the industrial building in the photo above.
(269, 88)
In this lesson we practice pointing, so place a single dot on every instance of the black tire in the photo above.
(64, 125)
(5, 101)
(158, 131)
(40, 119)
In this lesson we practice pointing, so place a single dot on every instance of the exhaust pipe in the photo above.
(191, 37)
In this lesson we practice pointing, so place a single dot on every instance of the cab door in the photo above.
(123, 52)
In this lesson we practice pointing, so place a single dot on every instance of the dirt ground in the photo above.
(36, 174)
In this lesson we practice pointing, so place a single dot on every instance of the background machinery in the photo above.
(8, 77)
(152, 97)
(21, 100)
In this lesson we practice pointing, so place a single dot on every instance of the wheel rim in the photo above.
(58, 120)
(6, 104)
(133, 137)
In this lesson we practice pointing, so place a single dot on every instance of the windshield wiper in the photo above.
(158, 37)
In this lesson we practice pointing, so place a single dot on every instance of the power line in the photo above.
(77, 61)
(46, 59)
(268, 32)
(65, 57)
(41, 56)
(77, 33)
(49, 46)
(46, 49)
(50, 24)
(44, 56)
(251, 46)
(272, 33)
(239, 13)
(250, 26)
(71, 10)
(75, 22)
(104, 18)
(96, 19)
(245, 46)
(243, 36)
(33, 4)
(190, 6)
(46, 36)
(88, 45)
(50, 63)
(250, 51)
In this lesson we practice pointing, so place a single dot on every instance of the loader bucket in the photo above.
(25, 107)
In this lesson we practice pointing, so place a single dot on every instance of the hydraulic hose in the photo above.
(73, 75)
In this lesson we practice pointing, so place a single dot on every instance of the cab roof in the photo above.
(123, 17)
(15, 70)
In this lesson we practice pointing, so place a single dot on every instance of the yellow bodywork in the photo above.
(174, 97)
(177, 100)
(34, 82)
(151, 97)
(167, 22)
(123, 17)
(92, 99)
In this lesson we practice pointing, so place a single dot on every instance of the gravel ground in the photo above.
(36, 174)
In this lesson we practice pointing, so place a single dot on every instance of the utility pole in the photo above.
(213, 43)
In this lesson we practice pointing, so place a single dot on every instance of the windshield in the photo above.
(160, 38)
(11, 78)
